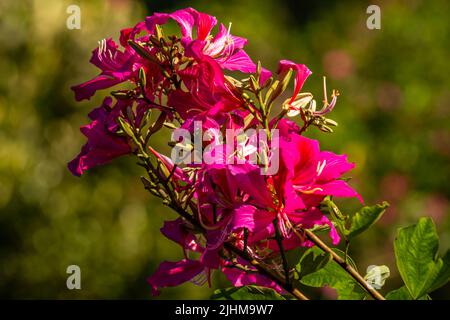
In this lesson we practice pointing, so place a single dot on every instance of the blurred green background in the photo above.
(394, 116)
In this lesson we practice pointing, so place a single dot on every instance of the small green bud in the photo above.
(325, 128)
(140, 50)
(121, 95)
(258, 68)
(142, 79)
(126, 127)
(330, 122)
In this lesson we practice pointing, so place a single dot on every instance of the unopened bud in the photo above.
(330, 122)
(142, 79)
(325, 128)
(121, 95)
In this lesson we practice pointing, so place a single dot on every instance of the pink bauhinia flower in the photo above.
(225, 48)
(232, 208)
(118, 65)
(312, 173)
(103, 143)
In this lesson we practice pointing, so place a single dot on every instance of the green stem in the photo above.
(279, 240)
(343, 264)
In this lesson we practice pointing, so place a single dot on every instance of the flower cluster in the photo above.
(232, 217)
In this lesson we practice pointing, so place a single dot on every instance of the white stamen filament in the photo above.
(310, 191)
(229, 28)
(320, 167)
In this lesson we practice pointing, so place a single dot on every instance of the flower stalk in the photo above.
(342, 263)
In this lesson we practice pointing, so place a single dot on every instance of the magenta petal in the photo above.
(249, 179)
(239, 61)
(184, 17)
(176, 231)
(87, 89)
(116, 67)
(336, 188)
(107, 58)
(300, 157)
(301, 74)
(339, 188)
(222, 46)
(312, 218)
(77, 166)
(240, 278)
(244, 216)
(211, 258)
(184, 103)
(170, 274)
(293, 201)
(258, 222)
(265, 75)
(130, 33)
(214, 243)
(239, 42)
(93, 155)
(264, 227)
(205, 23)
(102, 145)
(334, 165)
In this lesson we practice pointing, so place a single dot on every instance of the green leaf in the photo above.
(416, 252)
(366, 217)
(334, 276)
(403, 294)
(246, 293)
(444, 274)
(312, 260)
